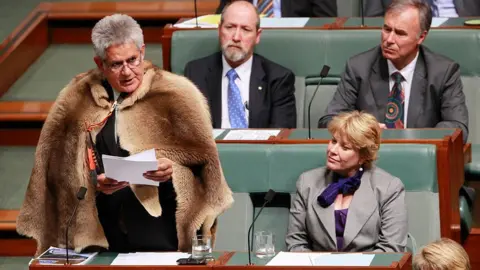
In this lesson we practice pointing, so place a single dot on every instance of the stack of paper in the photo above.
(212, 21)
(206, 21)
(58, 256)
(149, 258)
(251, 134)
(131, 169)
(321, 259)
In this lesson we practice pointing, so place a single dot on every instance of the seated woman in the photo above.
(349, 205)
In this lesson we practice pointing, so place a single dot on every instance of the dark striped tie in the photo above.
(265, 7)
(395, 106)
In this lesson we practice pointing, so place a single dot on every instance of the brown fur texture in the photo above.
(167, 113)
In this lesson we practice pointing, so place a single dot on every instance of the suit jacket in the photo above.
(271, 107)
(376, 219)
(465, 8)
(436, 97)
(301, 8)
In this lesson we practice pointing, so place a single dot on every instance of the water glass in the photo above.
(264, 244)
(201, 247)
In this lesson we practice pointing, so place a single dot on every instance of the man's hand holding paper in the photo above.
(163, 172)
(141, 169)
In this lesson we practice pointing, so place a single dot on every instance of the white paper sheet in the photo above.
(294, 259)
(249, 134)
(283, 22)
(212, 21)
(149, 258)
(131, 169)
(217, 132)
(437, 21)
(344, 259)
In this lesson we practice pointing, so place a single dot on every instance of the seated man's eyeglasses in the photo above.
(131, 62)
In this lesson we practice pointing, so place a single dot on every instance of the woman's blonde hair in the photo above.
(361, 130)
(443, 254)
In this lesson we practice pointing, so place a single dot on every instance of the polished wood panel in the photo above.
(19, 137)
(24, 110)
(82, 35)
(472, 247)
(8, 219)
(22, 49)
(17, 247)
(172, 9)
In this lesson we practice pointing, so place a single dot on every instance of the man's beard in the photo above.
(232, 54)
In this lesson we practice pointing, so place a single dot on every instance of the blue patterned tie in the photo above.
(236, 110)
(434, 7)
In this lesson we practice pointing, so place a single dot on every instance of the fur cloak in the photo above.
(167, 113)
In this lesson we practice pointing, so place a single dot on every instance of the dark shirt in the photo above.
(128, 226)
(340, 221)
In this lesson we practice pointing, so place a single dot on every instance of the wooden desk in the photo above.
(239, 260)
(340, 23)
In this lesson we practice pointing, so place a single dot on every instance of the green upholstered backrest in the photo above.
(16, 165)
(306, 51)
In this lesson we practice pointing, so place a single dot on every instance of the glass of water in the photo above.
(201, 247)
(264, 244)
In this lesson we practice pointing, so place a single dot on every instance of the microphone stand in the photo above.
(362, 14)
(196, 13)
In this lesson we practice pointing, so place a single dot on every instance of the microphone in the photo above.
(80, 196)
(323, 74)
(196, 13)
(362, 13)
(268, 198)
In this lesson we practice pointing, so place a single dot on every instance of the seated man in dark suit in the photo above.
(291, 8)
(440, 8)
(401, 82)
(243, 89)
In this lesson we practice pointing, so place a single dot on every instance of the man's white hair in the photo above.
(114, 30)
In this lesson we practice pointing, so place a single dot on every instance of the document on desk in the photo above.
(320, 259)
(344, 259)
(437, 21)
(294, 258)
(131, 168)
(217, 132)
(149, 258)
(251, 134)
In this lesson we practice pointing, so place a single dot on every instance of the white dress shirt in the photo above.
(446, 8)
(407, 73)
(243, 82)
(277, 8)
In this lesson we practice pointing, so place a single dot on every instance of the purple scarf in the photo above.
(343, 185)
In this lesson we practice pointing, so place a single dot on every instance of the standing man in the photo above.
(401, 82)
(244, 90)
(291, 8)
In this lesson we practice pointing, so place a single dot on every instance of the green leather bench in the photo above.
(258, 167)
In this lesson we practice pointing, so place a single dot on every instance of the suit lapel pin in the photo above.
(259, 88)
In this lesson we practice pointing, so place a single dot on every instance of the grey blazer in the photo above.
(436, 98)
(376, 220)
(464, 8)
